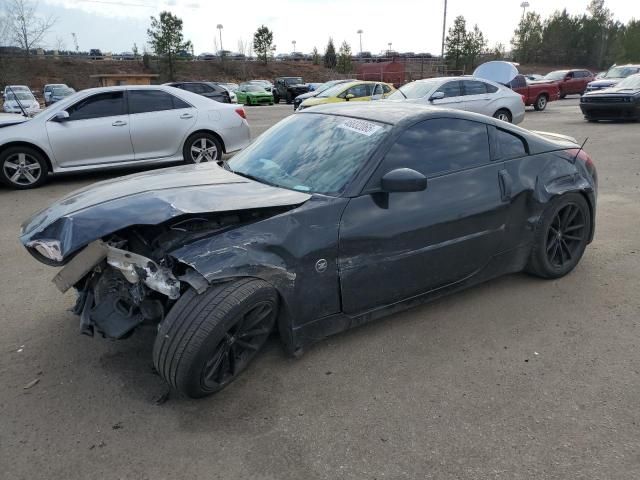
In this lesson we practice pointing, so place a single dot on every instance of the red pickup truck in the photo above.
(536, 93)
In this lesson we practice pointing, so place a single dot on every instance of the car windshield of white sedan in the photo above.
(413, 90)
(620, 72)
(310, 152)
(22, 96)
(630, 83)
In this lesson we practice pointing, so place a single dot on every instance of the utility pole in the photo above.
(524, 6)
(294, 45)
(219, 27)
(444, 27)
(75, 41)
(389, 51)
(359, 32)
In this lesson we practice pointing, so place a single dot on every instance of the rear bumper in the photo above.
(611, 111)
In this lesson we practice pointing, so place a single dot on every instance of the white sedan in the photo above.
(465, 93)
(20, 101)
(117, 127)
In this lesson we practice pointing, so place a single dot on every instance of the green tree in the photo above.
(630, 42)
(315, 56)
(344, 58)
(262, 43)
(499, 51)
(474, 45)
(166, 39)
(134, 50)
(330, 60)
(527, 38)
(455, 42)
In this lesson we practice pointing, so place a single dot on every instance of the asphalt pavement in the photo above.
(518, 378)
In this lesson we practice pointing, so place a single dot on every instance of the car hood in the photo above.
(613, 90)
(6, 120)
(149, 198)
(605, 82)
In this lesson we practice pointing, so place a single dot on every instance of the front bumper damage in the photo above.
(118, 289)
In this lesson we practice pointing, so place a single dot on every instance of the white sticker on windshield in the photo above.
(360, 126)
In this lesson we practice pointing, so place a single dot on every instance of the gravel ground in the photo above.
(516, 379)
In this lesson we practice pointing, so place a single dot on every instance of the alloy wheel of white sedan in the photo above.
(22, 168)
(203, 150)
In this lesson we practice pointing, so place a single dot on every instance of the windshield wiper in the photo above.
(403, 94)
(253, 177)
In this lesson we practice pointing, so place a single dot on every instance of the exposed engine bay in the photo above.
(130, 278)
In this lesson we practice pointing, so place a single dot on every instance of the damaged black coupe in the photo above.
(334, 217)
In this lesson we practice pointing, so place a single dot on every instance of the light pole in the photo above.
(444, 27)
(359, 32)
(294, 45)
(389, 51)
(524, 6)
(219, 27)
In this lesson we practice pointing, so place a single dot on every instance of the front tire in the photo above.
(541, 103)
(561, 237)
(207, 340)
(202, 147)
(504, 115)
(22, 168)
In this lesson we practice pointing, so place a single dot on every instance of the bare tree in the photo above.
(60, 44)
(26, 27)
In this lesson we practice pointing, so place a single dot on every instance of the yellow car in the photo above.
(350, 92)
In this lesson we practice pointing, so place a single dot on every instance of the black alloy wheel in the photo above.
(565, 236)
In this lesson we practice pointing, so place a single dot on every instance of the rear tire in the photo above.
(561, 237)
(276, 99)
(504, 115)
(22, 168)
(289, 98)
(202, 147)
(562, 95)
(207, 340)
(541, 102)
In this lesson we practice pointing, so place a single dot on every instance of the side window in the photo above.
(451, 89)
(571, 74)
(194, 87)
(107, 104)
(472, 87)
(439, 146)
(492, 88)
(510, 145)
(362, 90)
(386, 88)
(377, 90)
(142, 101)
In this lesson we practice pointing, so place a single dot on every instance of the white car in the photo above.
(20, 101)
(15, 88)
(464, 93)
(48, 88)
(117, 127)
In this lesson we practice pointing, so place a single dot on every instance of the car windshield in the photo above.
(253, 88)
(310, 152)
(326, 86)
(60, 92)
(293, 81)
(333, 91)
(620, 72)
(414, 90)
(557, 75)
(22, 96)
(632, 82)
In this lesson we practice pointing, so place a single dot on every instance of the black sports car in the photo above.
(621, 102)
(374, 208)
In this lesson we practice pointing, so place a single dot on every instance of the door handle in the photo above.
(186, 116)
(119, 123)
(505, 185)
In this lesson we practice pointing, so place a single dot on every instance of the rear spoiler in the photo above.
(556, 137)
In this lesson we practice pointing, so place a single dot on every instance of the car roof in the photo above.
(391, 113)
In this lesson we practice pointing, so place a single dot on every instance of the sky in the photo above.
(410, 25)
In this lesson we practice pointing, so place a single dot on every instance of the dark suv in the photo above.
(206, 89)
(288, 88)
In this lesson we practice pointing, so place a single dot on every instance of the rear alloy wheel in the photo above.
(503, 114)
(208, 339)
(541, 103)
(202, 147)
(561, 237)
(22, 168)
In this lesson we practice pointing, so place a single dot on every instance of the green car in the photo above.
(254, 95)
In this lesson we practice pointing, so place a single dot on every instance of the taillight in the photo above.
(241, 112)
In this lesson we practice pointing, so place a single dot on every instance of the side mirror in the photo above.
(62, 116)
(436, 96)
(403, 180)
(349, 96)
